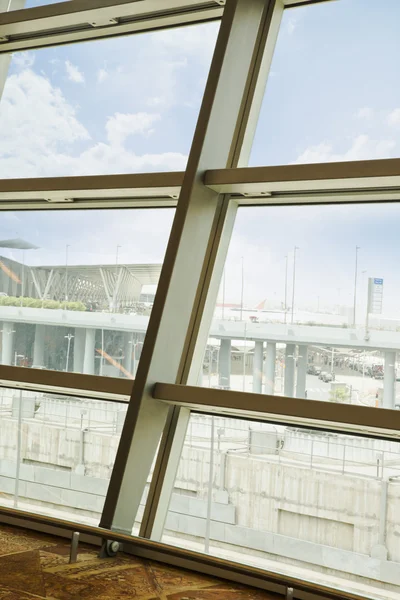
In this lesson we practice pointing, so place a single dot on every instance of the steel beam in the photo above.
(175, 321)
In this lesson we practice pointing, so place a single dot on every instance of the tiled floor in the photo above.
(36, 566)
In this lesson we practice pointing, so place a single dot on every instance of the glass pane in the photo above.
(308, 305)
(77, 287)
(332, 94)
(19, 4)
(119, 105)
(57, 453)
(307, 504)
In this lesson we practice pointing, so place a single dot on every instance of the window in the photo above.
(330, 94)
(77, 287)
(94, 108)
(57, 453)
(308, 504)
(308, 305)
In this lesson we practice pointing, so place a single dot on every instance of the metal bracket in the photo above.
(290, 594)
(73, 554)
(58, 200)
(109, 549)
(104, 22)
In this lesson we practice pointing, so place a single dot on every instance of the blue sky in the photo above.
(131, 104)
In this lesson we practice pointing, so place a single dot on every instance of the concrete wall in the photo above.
(328, 521)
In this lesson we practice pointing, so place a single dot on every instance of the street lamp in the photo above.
(286, 287)
(223, 293)
(68, 337)
(66, 273)
(294, 280)
(116, 282)
(242, 291)
(355, 287)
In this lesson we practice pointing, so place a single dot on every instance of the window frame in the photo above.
(225, 189)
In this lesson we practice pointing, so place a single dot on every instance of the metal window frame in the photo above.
(293, 184)
(67, 22)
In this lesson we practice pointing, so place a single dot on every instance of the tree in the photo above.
(340, 394)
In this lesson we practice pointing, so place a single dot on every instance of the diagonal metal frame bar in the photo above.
(168, 457)
(190, 257)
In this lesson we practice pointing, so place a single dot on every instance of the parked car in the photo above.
(328, 377)
(322, 375)
(313, 370)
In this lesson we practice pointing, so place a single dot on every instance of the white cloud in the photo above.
(73, 72)
(394, 117)
(156, 101)
(41, 136)
(102, 75)
(120, 126)
(23, 60)
(362, 148)
(365, 113)
(291, 26)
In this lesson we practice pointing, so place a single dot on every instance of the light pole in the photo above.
(223, 294)
(294, 280)
(355, 287)
(242, 292)
(286, 287)
(66, 274)
(68, 337)
(116, 280)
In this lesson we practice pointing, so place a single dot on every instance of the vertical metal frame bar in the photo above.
(171, 446)
(184, 281)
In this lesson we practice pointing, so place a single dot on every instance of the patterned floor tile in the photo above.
(7, 594)
(23, 540)
(37, 567)
(22, 572)
(223, 592)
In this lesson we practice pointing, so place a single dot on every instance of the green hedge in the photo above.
(36, 303)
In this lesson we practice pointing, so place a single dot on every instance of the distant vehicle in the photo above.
(377, 371)
(328, 377)
(313, 370)
(321, 375)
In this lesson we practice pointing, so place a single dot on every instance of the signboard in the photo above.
(375, 295)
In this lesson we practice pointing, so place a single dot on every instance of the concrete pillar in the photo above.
(258, 360)
(38, 346)
(302, 363)
(7, 343)
(128, 349)
(224, 363)
(88, 359)
(79, 349)
(389, 380)
(289, 370)
(270, 361)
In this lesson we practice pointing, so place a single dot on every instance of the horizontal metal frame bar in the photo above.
(186, 559)
(312, 414)
(310, 183)
(68, 384)
(68, 22)
(138, 190)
